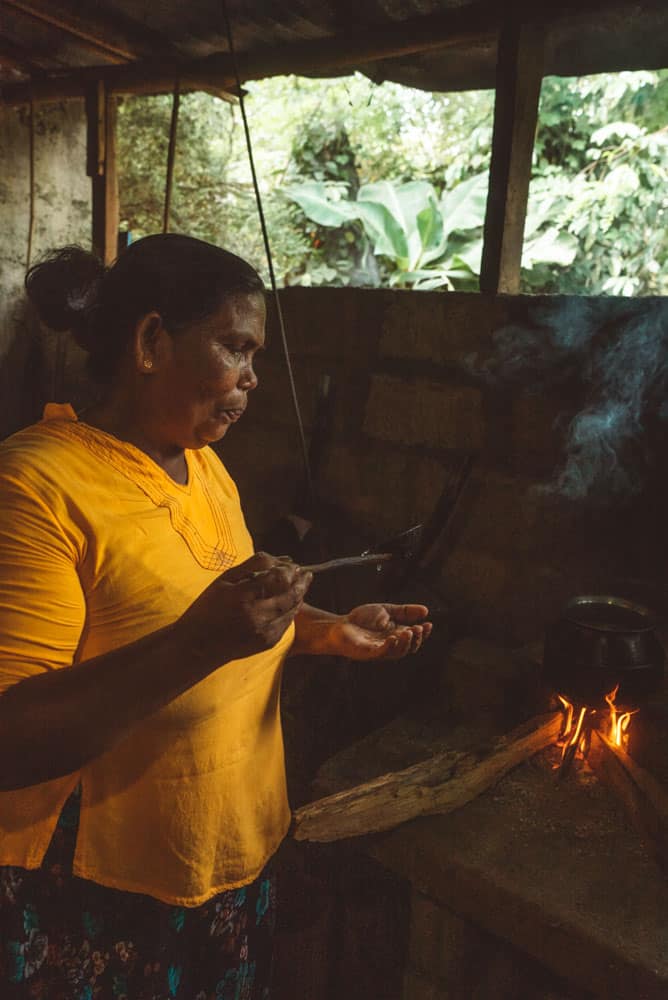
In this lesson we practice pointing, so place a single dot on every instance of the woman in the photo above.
(143, 789)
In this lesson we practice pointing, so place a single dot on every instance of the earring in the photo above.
(148, 363)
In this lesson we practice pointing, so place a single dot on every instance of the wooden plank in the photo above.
(519, 77)
(441, 784)
(101, 168)
(644, 799)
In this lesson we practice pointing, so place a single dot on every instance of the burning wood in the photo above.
(642, 796)
(575, 737)
(440, 784)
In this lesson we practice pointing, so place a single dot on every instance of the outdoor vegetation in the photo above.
(375, 185)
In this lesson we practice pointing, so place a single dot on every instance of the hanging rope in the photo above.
(270, 263)
(171, 156)
(31, 182)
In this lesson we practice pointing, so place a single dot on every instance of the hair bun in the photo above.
(64, 288)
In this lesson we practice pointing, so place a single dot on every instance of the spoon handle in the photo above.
(372, 558)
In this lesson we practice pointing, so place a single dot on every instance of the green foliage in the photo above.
(338, 253)
(599, 191)
(393, 166)
(201, 189)
(406, 224)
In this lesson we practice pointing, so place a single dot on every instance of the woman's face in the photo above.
(202, 385)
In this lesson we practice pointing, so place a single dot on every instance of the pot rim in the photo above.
(617, 602)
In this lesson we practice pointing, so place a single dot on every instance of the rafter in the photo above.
(116, 37)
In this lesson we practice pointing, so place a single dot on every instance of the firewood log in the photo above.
(439, 784)
(643, 798)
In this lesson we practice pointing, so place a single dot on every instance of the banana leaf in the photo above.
(463, 207)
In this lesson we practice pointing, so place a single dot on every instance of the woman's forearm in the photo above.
(314, 632)
(53, 723)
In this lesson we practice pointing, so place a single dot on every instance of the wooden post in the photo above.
(519, 74)
(171, 156)
(101, 168)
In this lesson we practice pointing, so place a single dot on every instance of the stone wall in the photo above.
(449, 957)
(62, 215)
(405, 409)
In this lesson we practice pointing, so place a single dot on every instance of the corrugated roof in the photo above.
(40, 39)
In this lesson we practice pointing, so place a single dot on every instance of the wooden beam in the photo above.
(134, 80)
(84, 41)
(643, 798)
(440, 784)
(423, 34)
(101, 168)
(518, 82)
(115, 36)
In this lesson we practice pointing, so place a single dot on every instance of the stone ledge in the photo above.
(554, 870)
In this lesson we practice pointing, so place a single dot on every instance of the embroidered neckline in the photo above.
(163, 491)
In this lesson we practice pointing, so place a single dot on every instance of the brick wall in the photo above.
(406, 408)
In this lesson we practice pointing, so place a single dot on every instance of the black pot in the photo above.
(600, 642)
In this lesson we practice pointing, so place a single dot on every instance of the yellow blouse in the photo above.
(98, 547)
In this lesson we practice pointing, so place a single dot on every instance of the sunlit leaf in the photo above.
(315, 203)
(463, 207)
(386, 234)
(617, 130)
(550, 247)
(403, 203)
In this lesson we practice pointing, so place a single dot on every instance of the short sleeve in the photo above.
(42, 606)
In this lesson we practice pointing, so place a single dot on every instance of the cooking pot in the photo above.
(600, 642)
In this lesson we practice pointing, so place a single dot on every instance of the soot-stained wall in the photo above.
(62, 215)
(559, 400)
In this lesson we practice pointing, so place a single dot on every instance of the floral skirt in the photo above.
(65, 938)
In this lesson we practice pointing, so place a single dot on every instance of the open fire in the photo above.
(575, 737)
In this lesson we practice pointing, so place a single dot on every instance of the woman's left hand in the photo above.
(380, 631)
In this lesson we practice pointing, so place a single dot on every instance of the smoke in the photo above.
(615, 353)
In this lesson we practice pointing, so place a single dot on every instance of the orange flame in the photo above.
(572, 735)
(575, 738)
(568, 722)
(618, 721)
(576, 735)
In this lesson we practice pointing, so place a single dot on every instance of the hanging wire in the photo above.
(270, 263)
(31, 182)
(171, 155)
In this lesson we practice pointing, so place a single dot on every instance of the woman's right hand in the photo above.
(247, 609)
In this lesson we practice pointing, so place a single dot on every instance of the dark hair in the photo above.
(182, 278)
